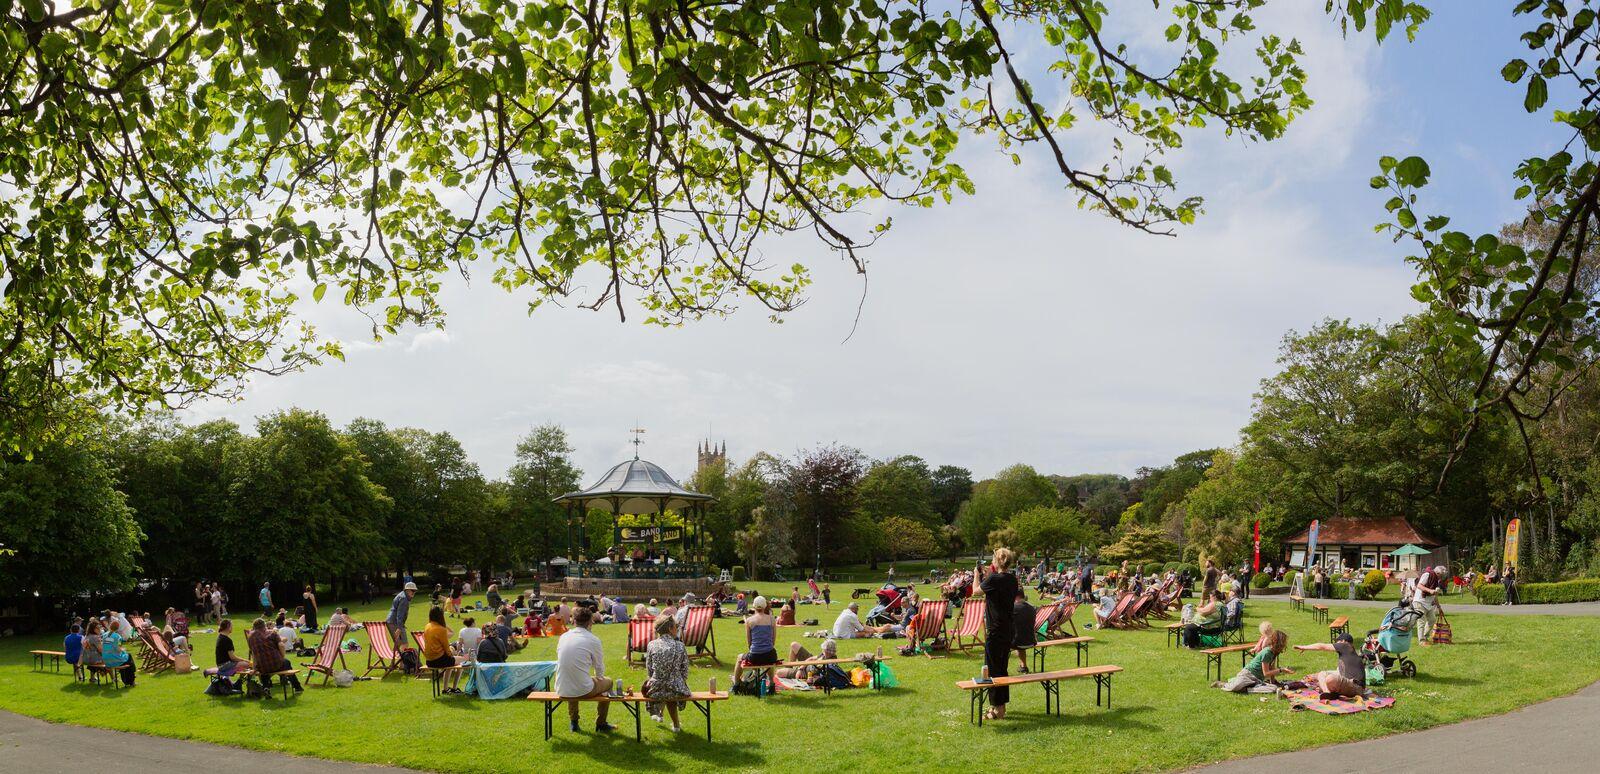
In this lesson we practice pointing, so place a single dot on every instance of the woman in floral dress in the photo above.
(666, 665)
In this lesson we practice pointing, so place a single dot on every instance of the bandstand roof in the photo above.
(636, 486)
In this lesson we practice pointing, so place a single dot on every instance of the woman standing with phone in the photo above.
(999, 587)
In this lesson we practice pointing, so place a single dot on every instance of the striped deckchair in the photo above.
(698, 634)
(1042, 616)
(641, 632)
(970, 633)
(157, 654)
(1119, 612)
(929, 623)
(329, 651)
(380, 649)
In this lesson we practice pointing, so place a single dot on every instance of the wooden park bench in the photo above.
(1319, 612)
(1297, 603)
(1340, 625)
(98, 672)
(1175, 634)
(1080, 645)
(55, 657)
(700, 699)
(978, 693)
(1214, 656)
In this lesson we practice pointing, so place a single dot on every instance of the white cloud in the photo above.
(1006, 327)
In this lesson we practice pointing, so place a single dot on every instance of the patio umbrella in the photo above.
(1410, 550)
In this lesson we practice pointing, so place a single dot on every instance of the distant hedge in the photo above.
(1261, 580)
(1581, 590)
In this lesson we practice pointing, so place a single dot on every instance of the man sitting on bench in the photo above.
(799, 654)
(578, 653)
(266, 653)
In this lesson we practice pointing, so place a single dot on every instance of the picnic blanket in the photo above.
(1308, 699)
(502, 681)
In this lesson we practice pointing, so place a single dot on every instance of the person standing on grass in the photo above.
(310, 597)
(399, 611)
(1509, 579)
(1426, 600)
(999, 586)
(265, 598)
(581, 669)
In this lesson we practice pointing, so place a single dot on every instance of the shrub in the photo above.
(1289, 577)
(738, 572)
(1261, 580)
(1582, 590)
(1182, 567)
(1373, 583)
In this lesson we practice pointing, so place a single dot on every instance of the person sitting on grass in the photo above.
(266, 653)
(761, 633)
(1022, 620)
(556, 624)
(228, 661)
(468, 638)
(341, 615)
(1207, 621)
(581, 669)
(1257, 676)
(786, 615)
(1349, 679)
(436, 646)
(114, 656)
(848, 625)
(666, 665)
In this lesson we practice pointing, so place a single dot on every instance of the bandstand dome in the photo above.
(636, 487)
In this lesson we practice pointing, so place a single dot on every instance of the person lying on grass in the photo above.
(581, 669)
(1349, 679)
(1257, 676)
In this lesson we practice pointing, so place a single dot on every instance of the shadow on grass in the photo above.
(93, 689)
(618, 749)
(1424, 678)
(1120, 719)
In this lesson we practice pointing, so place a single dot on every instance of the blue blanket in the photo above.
(500, 681)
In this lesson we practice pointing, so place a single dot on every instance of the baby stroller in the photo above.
(891, 603)
(1387, 645)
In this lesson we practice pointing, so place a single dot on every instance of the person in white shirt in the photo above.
(288, 635)
(848, 626)
(578, 652)
(469, 637)
(1425, 598)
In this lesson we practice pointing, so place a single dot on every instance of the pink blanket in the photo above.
(1308, 699)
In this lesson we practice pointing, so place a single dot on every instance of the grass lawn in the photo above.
(1165, 715)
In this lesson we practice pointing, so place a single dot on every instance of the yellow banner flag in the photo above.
(1512, 531)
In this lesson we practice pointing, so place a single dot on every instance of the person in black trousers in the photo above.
(1000, 588)
(1510, 581)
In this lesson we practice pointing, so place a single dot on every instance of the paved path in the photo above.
(1554, 736)
(31, 745)
(1567, 608)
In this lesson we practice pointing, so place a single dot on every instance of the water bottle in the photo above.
(984, 678)
(713, 688)
(880, 652)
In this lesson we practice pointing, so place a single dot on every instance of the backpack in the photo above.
(220, 686)
(830, 676)
(409, 661)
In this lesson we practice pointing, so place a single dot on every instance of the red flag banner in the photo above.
(1257, 565)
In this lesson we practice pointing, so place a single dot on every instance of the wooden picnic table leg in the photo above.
(1083, 654)
(1038, 659)
(638, 731)
(1100, 680)
(1214, 657)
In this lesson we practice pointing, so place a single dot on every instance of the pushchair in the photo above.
(891, 604)
(1387, 645)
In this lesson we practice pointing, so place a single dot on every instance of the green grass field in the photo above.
(1165, 714)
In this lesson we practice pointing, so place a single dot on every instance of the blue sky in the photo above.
(1009, 326)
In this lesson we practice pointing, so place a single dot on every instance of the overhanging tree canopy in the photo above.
(176, 173)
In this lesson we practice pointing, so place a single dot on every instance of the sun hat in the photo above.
(411, 586)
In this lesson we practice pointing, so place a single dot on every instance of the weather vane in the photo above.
(638, 439)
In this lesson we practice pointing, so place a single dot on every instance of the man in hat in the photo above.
(399, 611)
(1426, 600)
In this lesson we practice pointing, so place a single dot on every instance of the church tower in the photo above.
(710, 454)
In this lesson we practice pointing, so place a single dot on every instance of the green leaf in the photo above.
(318, 291)
(1412, 171)
(1537, 94)
(1514, 70)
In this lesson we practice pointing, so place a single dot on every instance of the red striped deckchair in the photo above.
(1117, 612)
(1140, 609)
(697, 634)
(1062, 624)
(380, 649)
(157, 654)
(970, 633)
(641, 632)
(929, 623)
(1042, 616)
(327, 653)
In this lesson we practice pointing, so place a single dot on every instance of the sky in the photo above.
(1008, 326)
